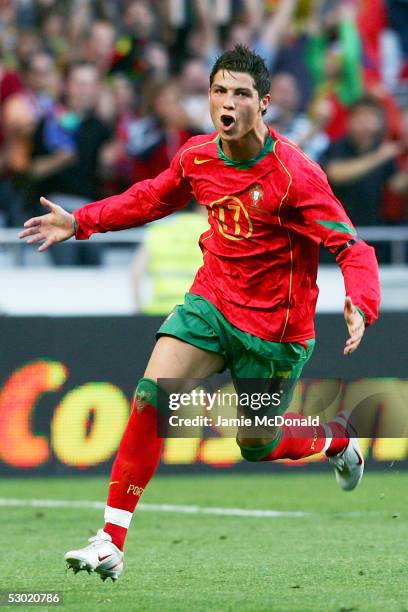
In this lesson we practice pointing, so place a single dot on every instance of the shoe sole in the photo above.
(80, 565)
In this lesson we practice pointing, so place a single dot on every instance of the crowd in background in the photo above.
(98, 94)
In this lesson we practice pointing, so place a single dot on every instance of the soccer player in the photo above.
(251, 306)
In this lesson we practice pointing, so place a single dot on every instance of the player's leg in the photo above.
(342, 449)
(293, 441)
(300, 441)
(140, 448)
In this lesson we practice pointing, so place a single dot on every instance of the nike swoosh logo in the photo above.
(103, 558)
(200, 161)
(114, 482)
(360, 461)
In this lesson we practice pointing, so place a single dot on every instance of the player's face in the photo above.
(235, 106)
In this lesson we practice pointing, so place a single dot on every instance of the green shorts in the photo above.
(201, 324)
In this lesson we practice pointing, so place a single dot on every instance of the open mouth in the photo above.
(227, 121)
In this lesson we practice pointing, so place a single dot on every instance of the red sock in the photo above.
(298, 442)
(136, 461)
(340, 438)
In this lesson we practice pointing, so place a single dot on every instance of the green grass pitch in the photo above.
(348, 554)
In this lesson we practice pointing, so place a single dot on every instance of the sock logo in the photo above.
(137, 491)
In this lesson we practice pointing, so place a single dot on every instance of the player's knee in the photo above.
(249, 455)
(253, 453)
(257, 449)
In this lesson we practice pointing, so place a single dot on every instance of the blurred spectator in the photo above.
(396, 198)
(335, 60)
(10, 201)
(371, 22)
(54, 37)
(23, 110)
(66, 152)
(194, 84)
(291, 54)
(120, 111)
(153, 59)
(393, 117)
(156, 137)
(28, 43)
(253, 27)
(262, 31)
(391, 59)
(283, 114)
(157, 61)
(8, 30)
(139, 25)
(361, 166)
(10, 83)
(98, 47)
(398, 17)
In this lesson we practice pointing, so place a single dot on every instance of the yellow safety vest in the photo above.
(173, 259)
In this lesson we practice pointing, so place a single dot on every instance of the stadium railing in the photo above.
(397, 237)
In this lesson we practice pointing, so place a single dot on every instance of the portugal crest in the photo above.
(256, 193)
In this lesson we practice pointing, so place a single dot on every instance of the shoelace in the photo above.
(99, 537)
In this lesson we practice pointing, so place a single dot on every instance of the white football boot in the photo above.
(100, 556)
(349, 465)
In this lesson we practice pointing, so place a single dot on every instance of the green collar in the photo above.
(248, 163)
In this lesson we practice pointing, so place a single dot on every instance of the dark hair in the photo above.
(367, 101)
(27, 65)
(242, 59)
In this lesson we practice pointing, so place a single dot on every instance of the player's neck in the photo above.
(247, 147)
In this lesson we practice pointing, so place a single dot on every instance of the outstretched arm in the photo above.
(143, 202)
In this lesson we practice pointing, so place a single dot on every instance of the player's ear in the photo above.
(264, 103)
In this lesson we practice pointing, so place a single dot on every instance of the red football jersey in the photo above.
(268, 217)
